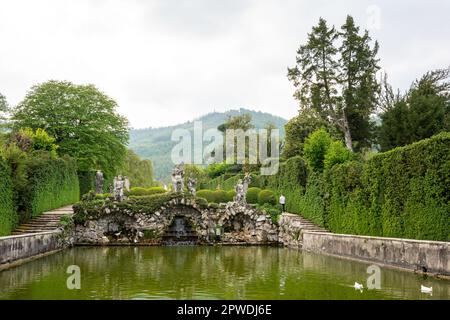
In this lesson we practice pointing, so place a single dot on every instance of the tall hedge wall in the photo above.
(401, 193)
(52, 183)
(7, 212)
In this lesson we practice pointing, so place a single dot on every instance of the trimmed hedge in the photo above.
(52, 183)
(215, 196)
(8, 217)
(138, 191)
(401, 193)
(266, 197)
(252, 195)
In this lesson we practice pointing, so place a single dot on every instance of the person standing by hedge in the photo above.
(283, 202)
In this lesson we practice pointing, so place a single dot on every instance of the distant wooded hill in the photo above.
(155, 143)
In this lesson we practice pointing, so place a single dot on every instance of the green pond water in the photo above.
(207, 273)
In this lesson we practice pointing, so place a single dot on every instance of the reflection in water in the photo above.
(207, 273)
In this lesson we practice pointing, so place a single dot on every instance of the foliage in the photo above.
(400, 193)
(266, 197)
(8, 218)
(214, 196)
(51, 183)
(421, 113)
(83, 121)
(138, 191)
(4, 110)
(230, 195)
(299, 128)
(337, 153)
(252, 195)
(315, 149)
(206, 194)
(139, 171)
(28, 140)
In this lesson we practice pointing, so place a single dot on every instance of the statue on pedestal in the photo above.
(191, 185)
(126, 183)
(178, 178)
(240, 193)
(118, 188)
(99, 182)
(247, 181)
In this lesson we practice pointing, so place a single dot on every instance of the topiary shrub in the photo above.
(220, 196)
(206, 194)
(139, 191)
(266, 197)
(337, 153)
(252, 195)
(230, 195)
(315, 148)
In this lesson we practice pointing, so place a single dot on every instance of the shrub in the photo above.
(138, 191)
(8, 217)
(315, 148)
(220, 196)
(266, 197)
(230, 195)
(252, 195)
(337, 153)
(206, 194)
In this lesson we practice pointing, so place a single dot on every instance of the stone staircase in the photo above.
(47, 221)
(292, 227)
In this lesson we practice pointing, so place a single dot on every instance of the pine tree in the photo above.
(358, 67)
(314, 76)
(339, 83)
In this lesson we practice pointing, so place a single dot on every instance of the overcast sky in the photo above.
(169, 61)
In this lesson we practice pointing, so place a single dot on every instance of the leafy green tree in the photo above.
(359, 65)
(423, 112)
(337, 153)
(139, 171)
(339, 83)
(315, 149)
(83, 121)
(299, 128)
(3, 112)
(314, 75)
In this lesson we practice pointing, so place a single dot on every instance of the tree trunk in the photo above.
(346, 129)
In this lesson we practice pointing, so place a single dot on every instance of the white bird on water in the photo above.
(424, 289)
(358, 286)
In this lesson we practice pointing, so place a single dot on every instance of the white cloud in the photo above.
(169, 61)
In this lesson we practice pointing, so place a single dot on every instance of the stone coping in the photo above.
(25, 235)
(380, 238)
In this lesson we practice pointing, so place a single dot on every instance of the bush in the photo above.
(206, 194)
(8, 217)
(220, 196)
(138, 191)
(315, 148)
(252, 195)
(230, 195)
(266, 197)
(337, 153)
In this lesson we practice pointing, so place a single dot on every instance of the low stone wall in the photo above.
(419, 255)
(14, 248)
